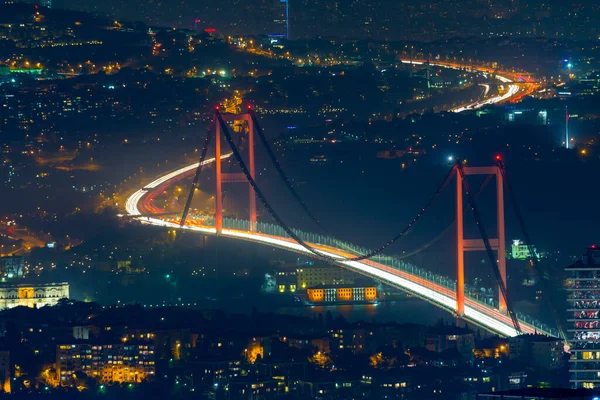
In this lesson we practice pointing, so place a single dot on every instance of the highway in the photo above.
(477, 313)
(511, 92)
(506, 78)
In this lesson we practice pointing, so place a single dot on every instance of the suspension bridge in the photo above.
(497, 316)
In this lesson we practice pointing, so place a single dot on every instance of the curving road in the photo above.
(510, 93)
(137, 206)
(507, 78)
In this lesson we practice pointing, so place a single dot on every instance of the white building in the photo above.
(39, 295)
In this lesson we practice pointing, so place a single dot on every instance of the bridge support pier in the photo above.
(501, 233)
(498, 244)
(460, 247)
(223, 177)
(218, 182)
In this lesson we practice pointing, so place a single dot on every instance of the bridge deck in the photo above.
(476, 313)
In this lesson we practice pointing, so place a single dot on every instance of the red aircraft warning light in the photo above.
(498, 157)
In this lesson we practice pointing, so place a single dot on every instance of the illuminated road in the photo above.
(511, 92)
(506, 78)
(477, 313)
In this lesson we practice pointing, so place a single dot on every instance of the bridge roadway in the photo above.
(476, 313)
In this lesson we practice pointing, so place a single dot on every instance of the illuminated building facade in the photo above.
(520, 251)
(583, 295)
(178, 343)
(286, 280)
(110, 363)
(309, 277)
(341, 294)
(32, 295)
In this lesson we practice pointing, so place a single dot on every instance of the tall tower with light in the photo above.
(282, 18)
(287, 19)
(566, 127)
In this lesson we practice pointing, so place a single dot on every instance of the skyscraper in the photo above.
(281, 17)
(583, 293)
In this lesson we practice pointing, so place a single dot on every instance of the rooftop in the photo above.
(33, 285)
(538, 337)
(449, 330)
(591, 259)
(543, 393)
(344, 286)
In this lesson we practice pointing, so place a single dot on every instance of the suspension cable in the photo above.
(287, 181)
(412, 223)
(302, 204)
(280, 171)
(259, 193)
(196, 180)
(447, 228)
(546, 286)
(488, 248)
(290, 232)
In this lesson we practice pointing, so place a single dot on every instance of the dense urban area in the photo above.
(300, 199)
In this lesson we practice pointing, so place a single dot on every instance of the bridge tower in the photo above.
(224, 177)
(463, 245)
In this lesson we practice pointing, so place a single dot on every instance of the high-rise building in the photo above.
(281, 17)
(583, 295)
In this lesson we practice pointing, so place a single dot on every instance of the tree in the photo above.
(388, 358)
(320, 360)
(328, 319)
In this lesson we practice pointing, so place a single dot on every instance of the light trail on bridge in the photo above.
(131, 206)
(477, 313)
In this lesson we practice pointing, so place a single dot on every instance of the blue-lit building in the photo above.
(281, 18)
(583, 295)
(532, 116)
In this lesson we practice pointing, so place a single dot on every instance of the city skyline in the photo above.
(300, 200)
